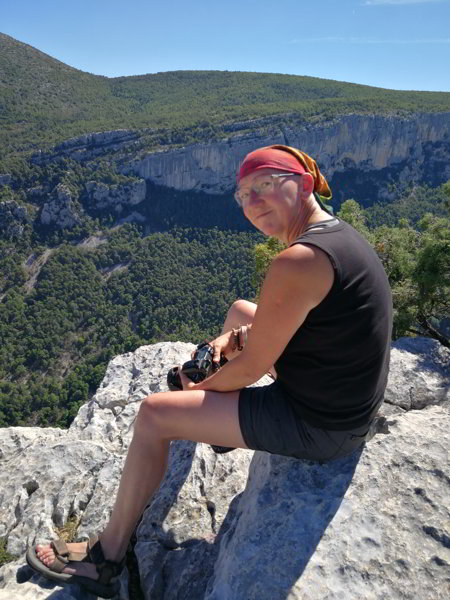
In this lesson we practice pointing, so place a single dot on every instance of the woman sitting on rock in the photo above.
(322, 326)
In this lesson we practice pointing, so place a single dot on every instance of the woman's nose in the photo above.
(254, 197)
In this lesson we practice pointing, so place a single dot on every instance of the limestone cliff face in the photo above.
(60, 210)
(411, 145)
(13, 218)
(246, 525)
(363, 156)
(107, 196)
(89, 145)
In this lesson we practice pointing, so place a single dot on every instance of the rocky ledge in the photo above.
(246, 525)
(103, 196)
(13, 218)
(60, 211)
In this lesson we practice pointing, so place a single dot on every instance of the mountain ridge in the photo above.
(50, 101)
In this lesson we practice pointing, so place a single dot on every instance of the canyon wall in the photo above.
(409, 149)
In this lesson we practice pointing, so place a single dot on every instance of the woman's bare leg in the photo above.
(199, 416)
(210, 417)
(240, 313)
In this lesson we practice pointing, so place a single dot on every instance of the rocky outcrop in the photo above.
(89, 146)
(419, 375)
(13, 218)
(247, 526)
(414, 149)
(101, 195)
(60, 211)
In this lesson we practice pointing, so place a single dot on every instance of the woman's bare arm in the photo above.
(297, 281)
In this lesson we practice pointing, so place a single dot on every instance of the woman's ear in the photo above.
(307, 184)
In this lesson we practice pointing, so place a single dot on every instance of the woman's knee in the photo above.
(241, 311)
(153, 412)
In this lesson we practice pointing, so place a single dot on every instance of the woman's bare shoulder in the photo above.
(306, 267)
(304, 256)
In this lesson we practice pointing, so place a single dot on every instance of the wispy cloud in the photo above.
(368, 40)
(378, 2)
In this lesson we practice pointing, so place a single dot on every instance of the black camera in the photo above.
(199, 368)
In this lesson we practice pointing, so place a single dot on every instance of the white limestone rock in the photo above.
(46, 484)
(419, 374)
(244, 525)
(14, 440)
(90, 145)
(60, 211)
(101, 138)
(405, 147)
(103, 196)
(372, 525)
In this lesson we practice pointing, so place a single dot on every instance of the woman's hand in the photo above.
(223, 345)
(185, 381)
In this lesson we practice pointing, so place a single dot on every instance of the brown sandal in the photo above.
(107, 584)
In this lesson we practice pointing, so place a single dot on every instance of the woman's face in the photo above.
(272, 213)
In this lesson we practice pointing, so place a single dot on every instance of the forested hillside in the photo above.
(43, 101)
(66, 311)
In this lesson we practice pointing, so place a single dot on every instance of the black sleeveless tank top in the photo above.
(334, 369)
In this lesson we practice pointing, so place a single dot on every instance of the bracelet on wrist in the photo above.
(240, 347)
(234, 339)
(243, 335)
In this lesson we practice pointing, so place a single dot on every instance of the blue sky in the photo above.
(399, 44)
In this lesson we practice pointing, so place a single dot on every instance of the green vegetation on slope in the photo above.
(417, 262)
(44, 101)
(90, 304)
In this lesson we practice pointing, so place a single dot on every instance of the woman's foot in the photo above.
(47, 556)
(92, 564)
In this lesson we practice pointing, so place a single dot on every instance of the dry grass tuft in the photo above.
(68, 532)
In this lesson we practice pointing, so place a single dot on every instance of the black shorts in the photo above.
(268, 422)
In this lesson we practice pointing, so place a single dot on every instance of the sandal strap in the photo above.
(62, 551)
(106, 569)
(59, 563)
(95, 550)
(60, 548)
(63, 556)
